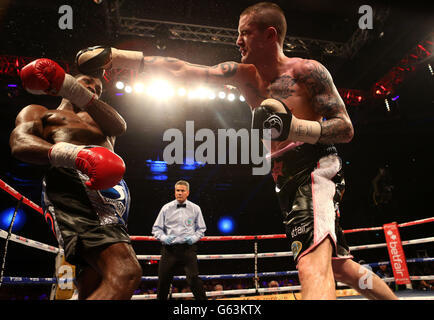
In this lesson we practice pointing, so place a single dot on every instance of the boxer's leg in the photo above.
(316, 274)
(119, 270)
(87, 282)
(351, 273)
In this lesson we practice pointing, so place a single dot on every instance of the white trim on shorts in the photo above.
(323, 192)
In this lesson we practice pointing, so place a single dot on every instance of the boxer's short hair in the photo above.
(268, 14)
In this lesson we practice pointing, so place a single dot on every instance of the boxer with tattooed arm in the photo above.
(297, 99)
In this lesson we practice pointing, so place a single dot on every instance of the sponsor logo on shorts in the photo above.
(296, 248)
(300, 229)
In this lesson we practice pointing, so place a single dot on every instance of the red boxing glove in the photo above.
(42, 76)
(103, 167)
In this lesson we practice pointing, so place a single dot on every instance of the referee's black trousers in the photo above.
(179, 254)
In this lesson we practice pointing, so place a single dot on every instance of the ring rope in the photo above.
(46, 247)
(281, 254)
(260, 290)
(29, 242)
(9, 236)
(18, 196)
(26, 280)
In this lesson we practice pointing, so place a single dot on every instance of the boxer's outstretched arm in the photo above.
(243, 76)
(326, 101)
(226, 73)
(26, 140)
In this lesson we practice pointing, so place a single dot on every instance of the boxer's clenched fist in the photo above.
(103, 167)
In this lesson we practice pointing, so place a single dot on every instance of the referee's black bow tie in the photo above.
(181, 205)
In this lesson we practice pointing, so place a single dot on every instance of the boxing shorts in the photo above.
(309, 186)
(81, 218)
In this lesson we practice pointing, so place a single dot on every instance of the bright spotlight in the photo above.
(211, 95)
(120, 85)
(222, 95)
(139, 87)
(202, 93)
(192, 94)
(231, 97)
(160, 89)
(128, 89)
(242, 99)
(182, 92)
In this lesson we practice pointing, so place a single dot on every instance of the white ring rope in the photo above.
(260, 290)
(29, 242)
(281, 254)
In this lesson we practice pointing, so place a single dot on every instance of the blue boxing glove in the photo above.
(168, 240)
(188, 240)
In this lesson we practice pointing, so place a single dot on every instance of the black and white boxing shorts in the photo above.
(309, 185)
(82, 218)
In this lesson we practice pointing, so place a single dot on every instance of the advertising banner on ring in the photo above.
(396, 253)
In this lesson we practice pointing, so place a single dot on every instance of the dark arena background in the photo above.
(384, 75)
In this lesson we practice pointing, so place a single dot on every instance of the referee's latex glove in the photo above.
(188, 240)
(168, 240)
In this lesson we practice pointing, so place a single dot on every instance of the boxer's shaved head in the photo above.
(267, 14)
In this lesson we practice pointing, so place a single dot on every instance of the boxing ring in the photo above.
(64, 281)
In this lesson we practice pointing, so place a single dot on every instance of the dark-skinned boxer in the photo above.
(85, 199)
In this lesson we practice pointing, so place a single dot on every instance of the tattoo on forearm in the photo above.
(335, 131)
(303, 131)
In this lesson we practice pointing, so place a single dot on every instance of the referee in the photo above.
(179, 226)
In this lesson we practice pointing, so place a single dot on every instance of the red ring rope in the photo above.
(17, 195)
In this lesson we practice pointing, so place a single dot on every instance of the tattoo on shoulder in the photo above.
(320, 88)
(316, 79)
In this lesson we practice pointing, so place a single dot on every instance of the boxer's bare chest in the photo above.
(287, 89)
(68, 126)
